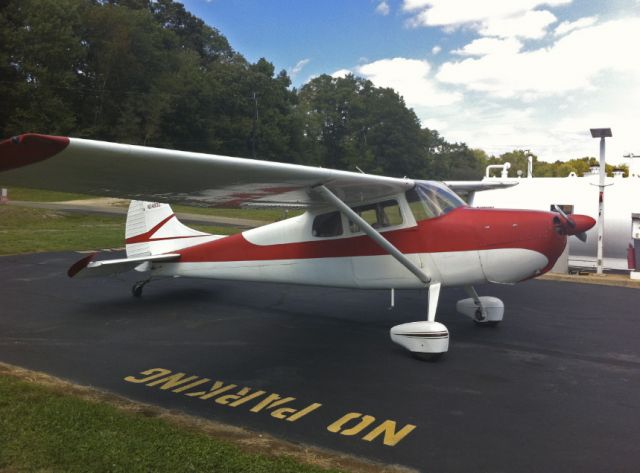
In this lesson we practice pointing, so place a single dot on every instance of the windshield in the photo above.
(432, 199)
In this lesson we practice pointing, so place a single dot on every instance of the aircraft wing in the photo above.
(163, 175)
(477, 186)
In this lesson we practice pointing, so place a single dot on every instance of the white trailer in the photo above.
(578, 195)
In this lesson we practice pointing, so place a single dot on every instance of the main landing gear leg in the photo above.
(136, 289)
(425, 340)
(484, 311)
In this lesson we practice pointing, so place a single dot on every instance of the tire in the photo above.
(136, 290)
(492, 323)
(429, 357)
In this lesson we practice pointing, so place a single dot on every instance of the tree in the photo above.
(43, 57)
(149, 72)
(450, 161)
(349, 123)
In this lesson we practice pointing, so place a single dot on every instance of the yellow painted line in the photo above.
(602, 280)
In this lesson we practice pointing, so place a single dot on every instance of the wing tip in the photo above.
(80, 265)
(29, 148)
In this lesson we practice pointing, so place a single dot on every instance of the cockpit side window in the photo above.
(430, 200)
(378, 215)
(327, 225)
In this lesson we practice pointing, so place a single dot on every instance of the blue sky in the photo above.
(495, 74)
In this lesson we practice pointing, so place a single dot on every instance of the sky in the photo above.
(496, 74)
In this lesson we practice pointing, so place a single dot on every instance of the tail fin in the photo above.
(153, 229)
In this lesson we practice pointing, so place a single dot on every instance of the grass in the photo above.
(25, 230)
(42, 429)
(38, 195)
(266, 215)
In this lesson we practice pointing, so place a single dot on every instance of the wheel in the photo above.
(491, 323)
(430, 357)
(136, 290)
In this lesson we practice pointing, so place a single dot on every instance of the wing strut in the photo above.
(372, 233)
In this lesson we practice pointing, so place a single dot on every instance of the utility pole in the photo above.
(254, 131)
(634, 169)
(601, 133)
(527, 153)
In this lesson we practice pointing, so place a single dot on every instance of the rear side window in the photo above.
(327, 225)
(378, 215)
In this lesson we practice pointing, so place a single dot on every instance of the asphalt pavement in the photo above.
(554, 388)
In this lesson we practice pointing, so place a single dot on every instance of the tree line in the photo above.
(151, 73)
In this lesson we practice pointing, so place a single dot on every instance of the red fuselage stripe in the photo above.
(463, 229)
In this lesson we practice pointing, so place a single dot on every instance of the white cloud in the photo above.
(486, 46)
(498, 128)
(295, 70)
(568, 26)
(411, 5)
(504, 19)
(411, 79)
(341, 73)
(554, 128)
(501, 92)
(454, 13)
(531, 24)
(573, 63)
(383, 8)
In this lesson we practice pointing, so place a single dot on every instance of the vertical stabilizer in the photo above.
(153, 229)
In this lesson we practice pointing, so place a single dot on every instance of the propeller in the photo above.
(572, 230)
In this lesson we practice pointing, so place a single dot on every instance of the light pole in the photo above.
(601, 133)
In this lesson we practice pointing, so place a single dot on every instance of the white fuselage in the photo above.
(289, 253)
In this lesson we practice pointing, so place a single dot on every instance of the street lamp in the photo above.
(601, 133)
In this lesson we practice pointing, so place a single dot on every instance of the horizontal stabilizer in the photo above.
(86, 267)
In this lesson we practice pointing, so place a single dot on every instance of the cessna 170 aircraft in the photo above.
(358, 230)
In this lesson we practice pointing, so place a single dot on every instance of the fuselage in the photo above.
(461, 246)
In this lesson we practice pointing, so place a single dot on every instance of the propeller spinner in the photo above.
(576, 224)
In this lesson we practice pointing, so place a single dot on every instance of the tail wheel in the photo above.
(136, 290)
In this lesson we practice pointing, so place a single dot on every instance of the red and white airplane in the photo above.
(357, 231)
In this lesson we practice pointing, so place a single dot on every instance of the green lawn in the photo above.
(266, 215)
(25, 230)
(38, 195)
(43, 429)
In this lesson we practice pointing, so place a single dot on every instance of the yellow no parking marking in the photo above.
(283, 408)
